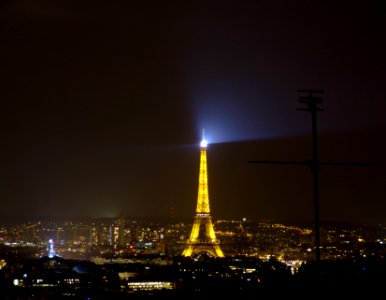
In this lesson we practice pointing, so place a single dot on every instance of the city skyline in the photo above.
(104, 104)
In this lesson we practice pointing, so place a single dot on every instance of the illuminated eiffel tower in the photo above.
(203, 238)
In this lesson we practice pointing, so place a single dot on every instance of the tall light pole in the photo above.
(312, 103)
(312, 106)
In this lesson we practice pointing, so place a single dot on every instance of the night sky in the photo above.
(103, 105)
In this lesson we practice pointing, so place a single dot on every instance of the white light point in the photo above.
(204, 143)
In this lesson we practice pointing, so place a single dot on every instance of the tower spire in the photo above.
(202, 237)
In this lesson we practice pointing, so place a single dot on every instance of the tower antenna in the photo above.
(204, 142)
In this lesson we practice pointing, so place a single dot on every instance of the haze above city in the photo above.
(103, 106)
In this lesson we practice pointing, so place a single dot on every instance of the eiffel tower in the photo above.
(202, 237)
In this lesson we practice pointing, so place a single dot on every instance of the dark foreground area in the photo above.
(182, 278)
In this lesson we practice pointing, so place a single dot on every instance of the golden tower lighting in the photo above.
(202, 237)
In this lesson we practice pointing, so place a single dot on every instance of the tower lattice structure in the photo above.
(202, 237)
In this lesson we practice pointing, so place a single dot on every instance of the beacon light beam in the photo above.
(227, 128)
(233, 116)
(228, 121)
